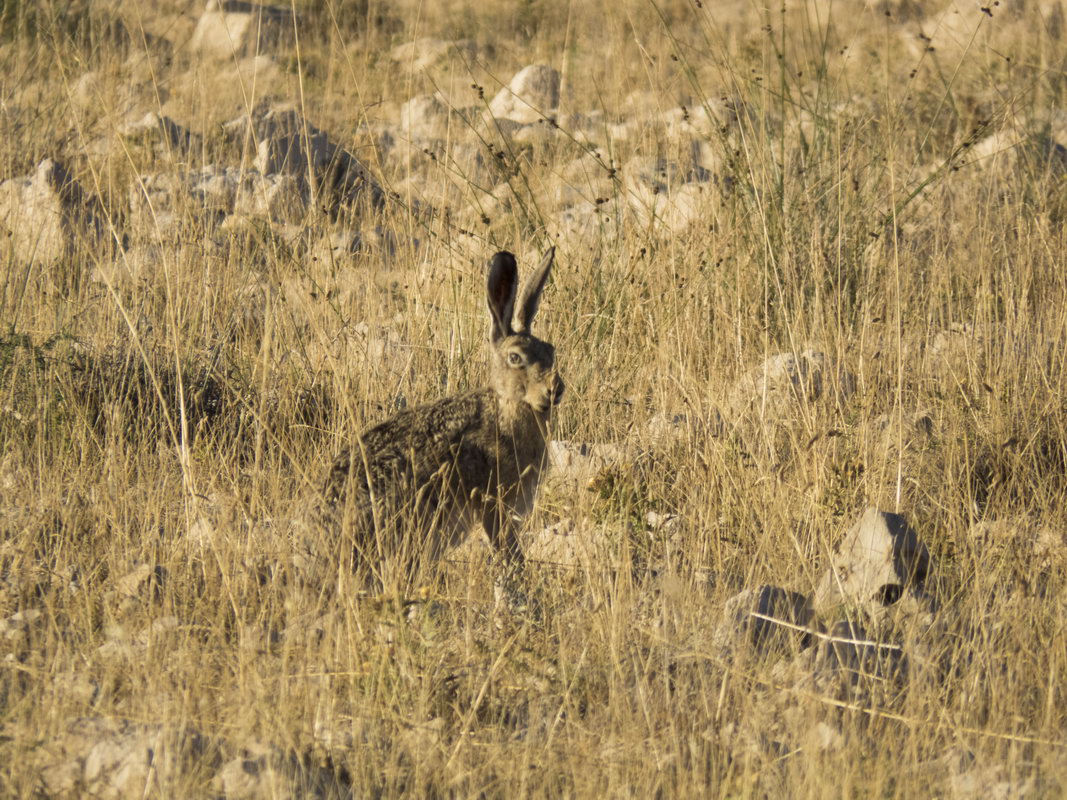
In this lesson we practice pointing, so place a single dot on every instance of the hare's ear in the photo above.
(503, 282)
(531, 291)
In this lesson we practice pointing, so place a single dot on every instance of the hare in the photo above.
(416, 484)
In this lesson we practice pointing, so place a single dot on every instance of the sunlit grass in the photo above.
(740, 182)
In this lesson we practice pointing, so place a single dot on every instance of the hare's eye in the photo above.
(515, 359)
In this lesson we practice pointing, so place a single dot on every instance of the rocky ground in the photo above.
(803, 534)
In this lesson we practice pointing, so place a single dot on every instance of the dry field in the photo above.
(232, 242)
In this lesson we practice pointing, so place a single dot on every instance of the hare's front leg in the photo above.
(509, 562)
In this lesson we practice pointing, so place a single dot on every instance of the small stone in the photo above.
(566, 544)
(168, 136)
(275, 197)
(663, 524)
(576, 462)
(234, 28)
(532, 95)
(117, 758)
(262, 770)
(773, 390)
(425, 117)
(287, 144)
(19, 623)
(144, 579)
(880, 560)
(665, 429)
(768, 618)
(426, 53)
(825, 737)
(45, 216)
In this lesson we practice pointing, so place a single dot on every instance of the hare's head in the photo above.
(522, 367)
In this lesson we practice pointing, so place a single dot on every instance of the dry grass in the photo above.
(168, 413)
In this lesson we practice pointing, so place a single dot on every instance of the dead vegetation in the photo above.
(810, 261)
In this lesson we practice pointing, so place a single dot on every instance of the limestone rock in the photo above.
(20, 623)
(532, 95)
(658, 175)
(585, 179)
(575, 462)
(567, 543)
(120, 758)
(767, 619)
(765, 406)
(880, 561)
(286, 144)
(265, 771)
(144, 580)
(46, 215)
(589, 222)
(663, 192)
(274, 197)
(116, 758)
(674, 212)
(970, 779)
(1018, 148)
(425, 117)
(1039, 545)
(166, 204)
(229, 28)
(847, 664)
(166, 135)
(425, 53)
(774, 389)
(667, 428)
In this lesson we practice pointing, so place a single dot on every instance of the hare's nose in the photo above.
(557, 389)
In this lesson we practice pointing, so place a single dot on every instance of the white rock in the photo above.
(116, 758)
(824, 737)
(961, 355)
(119, 758)
(87, 90)
(425, 117)
(583, 180)
(880, 561)
(1016, 147)
(162, 206)
(1025, 537)
(590, 222)
(19, 623)
(229, 28)
(658, 175)
(582, 462)
(532, 95)
(568, 544)
(144, 578)
(774, 390)
(673, 211)
(168, 135)
(265, 771)
(991, 782)
(45, 216)
(425, 53)
(276, 197)
(666, 428)
(766, 618)
(286, 144)
(334, 247)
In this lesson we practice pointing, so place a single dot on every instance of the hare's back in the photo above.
(416, 446)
